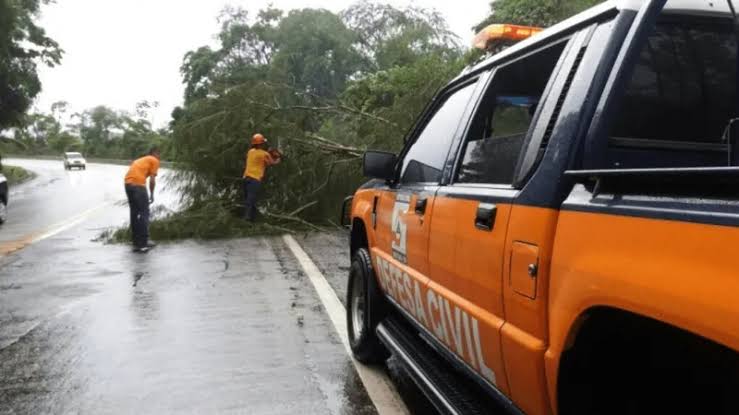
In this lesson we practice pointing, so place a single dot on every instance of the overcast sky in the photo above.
(120, 52)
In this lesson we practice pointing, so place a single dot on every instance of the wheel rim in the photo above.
(3, 212)
(358, 309)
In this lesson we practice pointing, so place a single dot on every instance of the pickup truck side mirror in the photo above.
(380, 165)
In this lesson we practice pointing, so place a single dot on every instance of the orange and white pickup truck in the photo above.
(560, 233)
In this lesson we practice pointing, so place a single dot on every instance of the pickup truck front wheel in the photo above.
(3, 212)
(365, 308)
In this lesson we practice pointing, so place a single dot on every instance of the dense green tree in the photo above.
(395, 97)
(541, 13)
(390, 37)
(63, 142)
(23, 44)
(38, 129)
(246, 50)
(320, 86)
(97, 127)
(198, 72)
(97, 132)
(315, 52)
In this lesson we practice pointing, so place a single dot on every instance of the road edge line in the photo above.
(379, 387)
(62, 226)
(10, 247)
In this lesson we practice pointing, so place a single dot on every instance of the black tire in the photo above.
(365, 306)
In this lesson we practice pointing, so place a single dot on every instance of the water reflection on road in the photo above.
(193, 327)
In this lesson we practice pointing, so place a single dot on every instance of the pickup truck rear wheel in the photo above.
(365, 308)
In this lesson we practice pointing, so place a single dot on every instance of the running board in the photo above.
(448, 390)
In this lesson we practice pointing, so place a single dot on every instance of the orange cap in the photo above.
(258, 139)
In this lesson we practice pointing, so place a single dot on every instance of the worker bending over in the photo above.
(138, 199)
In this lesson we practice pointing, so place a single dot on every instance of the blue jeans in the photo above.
(251, 193)
(138, 203)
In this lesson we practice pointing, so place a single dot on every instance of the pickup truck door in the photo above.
(403, 211)
(466, 261)
(468, 246)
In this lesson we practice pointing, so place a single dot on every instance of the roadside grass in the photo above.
(210, 221)
(16, 175)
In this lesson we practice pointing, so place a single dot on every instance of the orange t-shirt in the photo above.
(257, 161)
(141, 169)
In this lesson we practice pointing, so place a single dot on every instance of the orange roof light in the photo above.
(505, 32)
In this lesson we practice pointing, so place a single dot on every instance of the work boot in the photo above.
(140, 249)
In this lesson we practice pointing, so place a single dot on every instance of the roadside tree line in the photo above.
(97, 132)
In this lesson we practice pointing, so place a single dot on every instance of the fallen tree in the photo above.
(317, 90)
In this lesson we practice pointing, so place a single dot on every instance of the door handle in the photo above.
(485, 218)
(421, 206)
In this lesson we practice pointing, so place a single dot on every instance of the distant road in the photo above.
(57, 199)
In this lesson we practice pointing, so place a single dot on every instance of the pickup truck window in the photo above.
(681, 97)
(424, 161)
(498, 130)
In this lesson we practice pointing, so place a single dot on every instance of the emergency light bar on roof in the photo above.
(496, 34)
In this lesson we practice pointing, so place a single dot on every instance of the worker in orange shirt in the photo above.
(138, 198)
(257, 161)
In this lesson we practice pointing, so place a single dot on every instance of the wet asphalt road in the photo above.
(193, 327)
(58, 198)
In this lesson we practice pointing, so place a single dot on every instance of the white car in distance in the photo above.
(74, 161)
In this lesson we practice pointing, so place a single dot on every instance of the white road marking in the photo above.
(380, 389)
(64, 225)
(8, 247)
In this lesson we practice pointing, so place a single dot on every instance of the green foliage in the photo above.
(314, 52)
(22, 45)
(510, 120)
(320, 86)
(396, 95)
(212, 220)
(16, 175)
(541, 13)
(97, 132)
(390, 37)
(117, 134)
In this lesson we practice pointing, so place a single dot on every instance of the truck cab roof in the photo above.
(692, 7)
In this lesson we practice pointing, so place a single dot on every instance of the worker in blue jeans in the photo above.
(139, 199)
(257, 161)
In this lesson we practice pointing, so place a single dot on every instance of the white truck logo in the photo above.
(400, 228)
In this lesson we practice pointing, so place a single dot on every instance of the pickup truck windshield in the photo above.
(681, 96)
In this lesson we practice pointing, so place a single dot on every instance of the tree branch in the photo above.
(331, 149)
(293, 219)
(302, 208)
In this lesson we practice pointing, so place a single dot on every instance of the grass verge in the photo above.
(16, 175)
